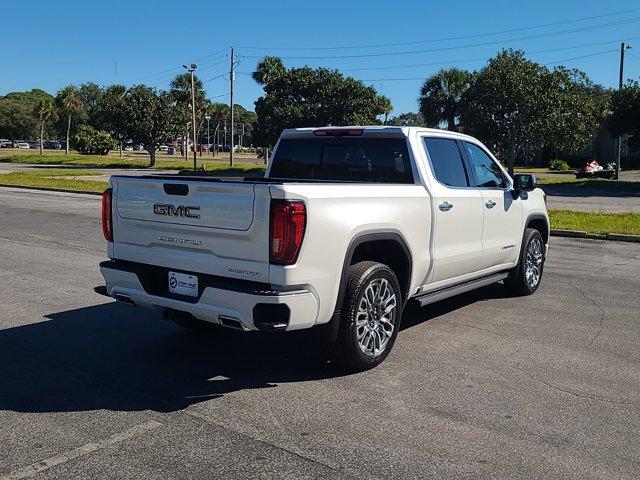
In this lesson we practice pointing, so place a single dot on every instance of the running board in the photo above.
(432, 297)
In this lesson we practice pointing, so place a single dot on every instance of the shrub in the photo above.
(559, 165)
(88, 140)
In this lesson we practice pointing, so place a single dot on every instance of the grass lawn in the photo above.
(129, 161)
(542, 170)
(74, 179)
(57, 178)
(623, 223)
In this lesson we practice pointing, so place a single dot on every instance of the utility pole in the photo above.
(231, 75)
(191, 68)
(618, 152)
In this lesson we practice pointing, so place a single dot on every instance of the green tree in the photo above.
(409, 119)
(18, 117)
(625, 116)
(112, 113)
(303, 97)
(441, 96)
(150, 118)
(517, 107)
(69, 104)
(88, 140)
(91, 96)
(573, 108)
(46, 112)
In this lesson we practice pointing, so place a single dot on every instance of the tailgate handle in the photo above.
(176, 189)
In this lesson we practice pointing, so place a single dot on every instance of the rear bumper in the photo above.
(250, 306)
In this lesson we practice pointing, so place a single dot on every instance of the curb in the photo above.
(47, 189)
(596, 236)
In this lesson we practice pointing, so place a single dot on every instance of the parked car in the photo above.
(33, 143)
(163, 148)
(52, 145)
(21, 144)
(348, 225)
(5, 143)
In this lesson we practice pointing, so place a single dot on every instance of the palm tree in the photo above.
(180, 92)
(267, 69)
(386, 107)
(71, 104)
(45, 111)
(441, 95)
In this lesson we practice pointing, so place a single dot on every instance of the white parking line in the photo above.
(35, 468)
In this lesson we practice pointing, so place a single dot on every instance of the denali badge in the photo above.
(176, 211)
(182, 241)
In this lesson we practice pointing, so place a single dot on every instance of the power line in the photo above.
(446, 39)
(218, 96)
(223, 49)
(457, 47)
(422, 78)
(214, 64)
(633, 55)
(163, 72)
(582, 56)
(214, 78)
(430, 64)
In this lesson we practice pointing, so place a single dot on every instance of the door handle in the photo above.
(445, 206)
(490, 204)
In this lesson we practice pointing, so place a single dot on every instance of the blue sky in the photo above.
(50, 44)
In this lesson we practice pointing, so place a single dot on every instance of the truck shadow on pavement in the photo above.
(115, 357)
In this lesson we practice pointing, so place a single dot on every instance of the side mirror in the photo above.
(523, 182)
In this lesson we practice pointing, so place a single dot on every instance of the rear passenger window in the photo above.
(488, 174)
(446, 161)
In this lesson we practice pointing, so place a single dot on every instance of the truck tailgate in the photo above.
(212, 227)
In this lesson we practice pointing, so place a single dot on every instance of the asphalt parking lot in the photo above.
(481, 386)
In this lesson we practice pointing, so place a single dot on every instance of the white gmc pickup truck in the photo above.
(347, 225)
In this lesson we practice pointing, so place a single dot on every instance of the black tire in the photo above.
(517, 283)
(346, 349)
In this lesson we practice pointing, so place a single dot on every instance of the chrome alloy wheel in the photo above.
(533, 262)
(376, 317)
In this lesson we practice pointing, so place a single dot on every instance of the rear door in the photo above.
(195, 225)
(457, 242)
(502, 231)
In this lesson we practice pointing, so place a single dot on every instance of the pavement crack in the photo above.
(600, 310)
(572, 393)
(279, 445)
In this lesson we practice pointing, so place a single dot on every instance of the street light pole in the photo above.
(191, 68)
(618, 152)
(208, 141)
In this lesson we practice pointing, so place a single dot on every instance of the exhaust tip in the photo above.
(123, 298)
(230, 322)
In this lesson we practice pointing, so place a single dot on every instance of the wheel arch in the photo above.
(384, 246)
(541, 223)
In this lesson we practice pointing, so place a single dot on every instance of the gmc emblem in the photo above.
(176, 210)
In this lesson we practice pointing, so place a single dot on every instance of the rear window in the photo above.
(376, 160)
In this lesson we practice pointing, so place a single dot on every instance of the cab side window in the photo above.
(446, 161)
(487, 173)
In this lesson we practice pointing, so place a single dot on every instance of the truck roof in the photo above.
(369, 130)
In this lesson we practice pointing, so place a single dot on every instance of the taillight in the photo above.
(287, 224)
(107, 223)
